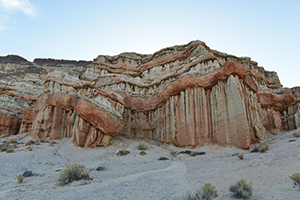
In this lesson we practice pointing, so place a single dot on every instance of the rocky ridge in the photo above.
(187, 95)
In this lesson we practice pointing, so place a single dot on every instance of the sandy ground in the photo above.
(145, 177)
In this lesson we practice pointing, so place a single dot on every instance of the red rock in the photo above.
(277, 102)
(59, 115)
(9, 123)
(186, 95)
(100, 119)
(27, 119)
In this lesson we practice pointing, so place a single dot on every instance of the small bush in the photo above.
(296, 178)
(142, 146)
(9, 150)
(73, 172)
(122, 152)
(3, 147)
(3, 136)
(193, 196)
(207, 192)
(101, 168)
(12, 141)
(142, 153)
(20, 178)
(263, 147)
(241, 189)
(296, 134)
(240, 156)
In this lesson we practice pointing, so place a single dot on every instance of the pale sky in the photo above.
(268, 31)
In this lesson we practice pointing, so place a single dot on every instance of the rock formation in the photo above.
(187, 95)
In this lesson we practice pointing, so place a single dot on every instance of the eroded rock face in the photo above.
(72, 108)
(187, 95)
(21, 84)
(190, 95)
(9, 123)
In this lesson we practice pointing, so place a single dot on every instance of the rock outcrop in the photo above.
(71, 107)
(187, 95)
(21, 84)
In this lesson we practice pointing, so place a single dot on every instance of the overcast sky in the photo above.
(266, 31)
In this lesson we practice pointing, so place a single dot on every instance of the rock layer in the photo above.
(186, 95)
(72, 108)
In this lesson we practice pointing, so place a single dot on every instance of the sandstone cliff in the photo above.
(187, 95)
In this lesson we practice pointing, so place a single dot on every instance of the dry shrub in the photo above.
(296, 134)
(263, 147)
(12, 141)
(122, 152)
(142, 146)
(73, 172)
(9, 150)
(240, 156)
(207, 192)
(241, 189)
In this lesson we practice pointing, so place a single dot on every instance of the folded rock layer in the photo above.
(186, 95)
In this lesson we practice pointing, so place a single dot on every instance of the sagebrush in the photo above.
(12, 141)
(296, 178)
(263, 147)
(142, 146)
(207, 192)
(242, 189)
(73, 172)
(296, 134)
(9, 150)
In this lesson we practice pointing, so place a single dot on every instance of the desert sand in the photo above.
(134, 176)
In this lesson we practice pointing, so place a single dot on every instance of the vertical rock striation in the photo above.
(186, 95)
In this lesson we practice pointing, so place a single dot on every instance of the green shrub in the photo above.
(296, 178)
(207, 192)
(296, 134)
(142, 146)
(241, 189)
(73, 172)
(263, 147)
(20, 178)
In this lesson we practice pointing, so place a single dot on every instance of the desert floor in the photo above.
(136, 177)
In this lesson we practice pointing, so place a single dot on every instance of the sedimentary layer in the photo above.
(186, 95)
